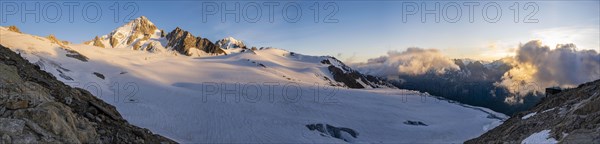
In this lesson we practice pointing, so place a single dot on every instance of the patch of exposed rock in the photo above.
(342, 133)
(113, 42)
(95, 42)
(37, 108)
(76, 55)
(14, 29)
(415, 123)
(352, 78)
(54, 40)
(99, 75)
(64, 45)
(572, 116)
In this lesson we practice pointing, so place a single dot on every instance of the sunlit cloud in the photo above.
(537, 66)
(413, 61)
(584, 36)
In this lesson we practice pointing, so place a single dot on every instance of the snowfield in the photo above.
(529, 115)
(263, 96)
(542, 137)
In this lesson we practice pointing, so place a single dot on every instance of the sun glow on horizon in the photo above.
(582, 37)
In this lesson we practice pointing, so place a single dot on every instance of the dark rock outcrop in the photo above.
(352, 78)
(415, 123)
(180, 40)
(183, 41)
(208, 47)
(113, 42)
(335, 132)
(572, 116)
(76, 55)
(99, 75)
(37, 108)
(64, 45)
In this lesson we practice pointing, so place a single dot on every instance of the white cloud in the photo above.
(537, 66)
(413, 61)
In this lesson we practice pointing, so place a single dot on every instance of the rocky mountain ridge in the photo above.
(352, 78)
(185, 43)
(142, 34)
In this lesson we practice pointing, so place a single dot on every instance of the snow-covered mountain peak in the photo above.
(138, 34)
(139, 28)
(230, 42)
(140, 20)
(142, 34)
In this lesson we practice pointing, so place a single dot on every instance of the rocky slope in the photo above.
(37, 108)
(571, 116)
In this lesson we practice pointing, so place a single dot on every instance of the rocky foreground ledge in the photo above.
(37, 108)
(571, 116)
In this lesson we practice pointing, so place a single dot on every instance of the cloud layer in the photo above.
(413, 61)
(537, 67)
(534, 67)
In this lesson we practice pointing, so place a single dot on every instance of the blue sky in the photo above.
(359, 29)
